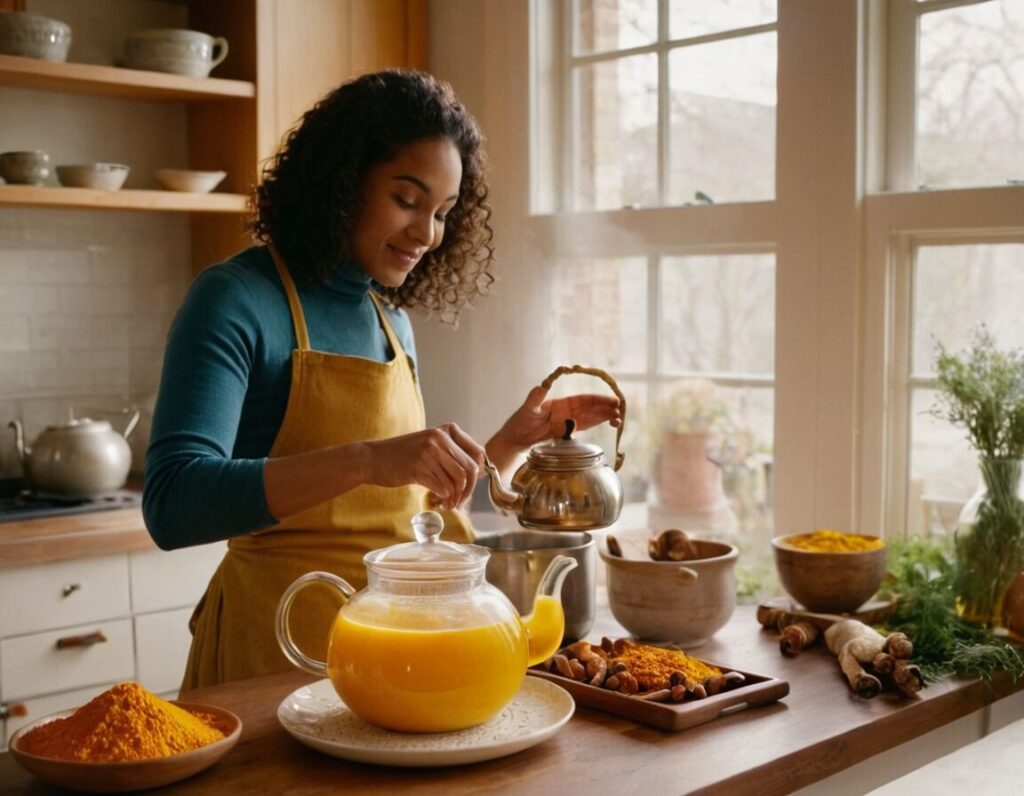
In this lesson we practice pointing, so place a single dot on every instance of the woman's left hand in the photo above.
(539, 419)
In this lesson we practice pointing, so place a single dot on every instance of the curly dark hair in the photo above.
(309, 195)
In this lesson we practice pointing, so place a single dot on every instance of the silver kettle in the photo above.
(565, 485)
(78, 457)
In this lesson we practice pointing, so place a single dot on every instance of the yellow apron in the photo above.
(333, 399)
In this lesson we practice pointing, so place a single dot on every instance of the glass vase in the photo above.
(990, 540)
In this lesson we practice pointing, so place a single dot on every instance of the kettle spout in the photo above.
(504, 500)
(19, 442)
(545, 625)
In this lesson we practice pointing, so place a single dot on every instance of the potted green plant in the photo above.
(982, 389)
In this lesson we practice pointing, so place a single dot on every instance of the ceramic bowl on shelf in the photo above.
(829, 582)
(34, 36)
(188, 180)
(25, 168)
(102, 176)
(681, 602)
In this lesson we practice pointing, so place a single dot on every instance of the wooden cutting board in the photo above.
(873, 612)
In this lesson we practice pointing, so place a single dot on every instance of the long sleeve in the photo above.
(195, 490)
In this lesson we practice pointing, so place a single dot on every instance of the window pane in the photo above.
(943, 469)
(957, 287)
(970, 95)
(599, 313)
(688, 18)
(603, 25)
(710, 459)
(617, 145)
(718, 314)
(722, 120)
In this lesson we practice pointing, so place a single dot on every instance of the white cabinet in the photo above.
(70, 629)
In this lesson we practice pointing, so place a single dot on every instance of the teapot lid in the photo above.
(565, 453)
(80, 424)
(428, 558)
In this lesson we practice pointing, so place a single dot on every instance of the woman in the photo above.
(289, 419)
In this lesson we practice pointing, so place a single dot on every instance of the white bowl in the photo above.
(190, 181)
(682, 602)
(34, 36)
(103, 176)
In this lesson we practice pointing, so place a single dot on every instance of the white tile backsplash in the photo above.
(87, 300)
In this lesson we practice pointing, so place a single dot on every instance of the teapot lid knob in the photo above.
(427, 526)
(570, 426)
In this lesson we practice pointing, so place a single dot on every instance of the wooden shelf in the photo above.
(112, 81)
(89, 199)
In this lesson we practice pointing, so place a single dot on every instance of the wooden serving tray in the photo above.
(757, 690)
(872, 612)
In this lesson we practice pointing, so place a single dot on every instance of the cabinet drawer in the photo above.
(47, 596)
(161, 649)
(174, 579)
(35, 666)
(54, 703)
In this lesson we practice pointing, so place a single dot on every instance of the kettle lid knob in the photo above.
(427, 526)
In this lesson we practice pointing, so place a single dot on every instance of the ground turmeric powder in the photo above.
(834, 542)
(125, 722)
(653, 666)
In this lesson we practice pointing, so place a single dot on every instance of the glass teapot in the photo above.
(429, 645)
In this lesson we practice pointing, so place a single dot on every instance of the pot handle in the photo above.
(606, 377)
(284, 606)
(687, 575)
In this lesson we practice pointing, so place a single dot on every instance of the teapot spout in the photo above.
(504, 500)
(19, 442)
(545, 625)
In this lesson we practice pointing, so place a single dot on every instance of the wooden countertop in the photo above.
(98, 533)
(816, 731)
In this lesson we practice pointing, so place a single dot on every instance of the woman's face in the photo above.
(403, 207)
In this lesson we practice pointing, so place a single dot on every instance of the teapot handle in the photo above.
(606, 377)
(284, 606)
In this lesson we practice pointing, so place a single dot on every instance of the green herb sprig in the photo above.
(921, 578)
(982, 389)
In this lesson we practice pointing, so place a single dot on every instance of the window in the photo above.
(671, 110)
(959, 120)
(663, 96)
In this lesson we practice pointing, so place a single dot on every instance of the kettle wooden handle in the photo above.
(606, 377)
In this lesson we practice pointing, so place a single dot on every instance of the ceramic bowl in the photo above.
(104, 176)
(829, 582)
(190, 181)
(25, 168)
(132, 775)
(684, 603)
(34, 36)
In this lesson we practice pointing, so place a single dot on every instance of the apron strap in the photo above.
(298, 319)
(389, 332)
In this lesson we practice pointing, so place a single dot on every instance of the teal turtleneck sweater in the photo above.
(224, 389)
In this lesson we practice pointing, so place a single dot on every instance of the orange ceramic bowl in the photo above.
(829, 582)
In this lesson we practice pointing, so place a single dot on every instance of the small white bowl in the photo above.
(189, 181)
(102, 176)
(34, 36)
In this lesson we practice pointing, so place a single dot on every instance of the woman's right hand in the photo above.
(444, 459)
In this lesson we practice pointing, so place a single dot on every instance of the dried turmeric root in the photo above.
(857, 645)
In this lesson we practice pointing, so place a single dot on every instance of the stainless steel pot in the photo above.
(519, 559)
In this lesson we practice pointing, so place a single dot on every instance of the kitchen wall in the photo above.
(86, 297)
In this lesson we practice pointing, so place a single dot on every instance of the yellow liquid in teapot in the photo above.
(545, 627)
(426, 680)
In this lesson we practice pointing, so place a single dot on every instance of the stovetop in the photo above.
(17, 502)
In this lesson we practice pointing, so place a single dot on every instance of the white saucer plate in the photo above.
(316, 716)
